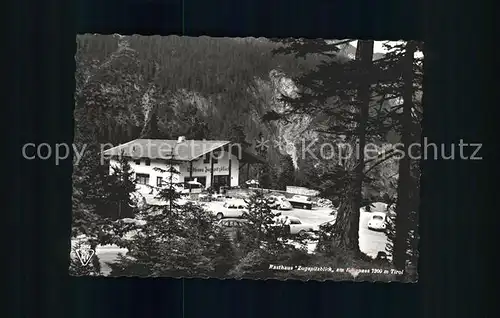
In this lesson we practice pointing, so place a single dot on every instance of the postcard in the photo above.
(248, 158)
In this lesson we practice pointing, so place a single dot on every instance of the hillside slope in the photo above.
(125, 83)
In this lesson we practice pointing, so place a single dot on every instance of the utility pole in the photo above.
(171, 179)
(190, 175)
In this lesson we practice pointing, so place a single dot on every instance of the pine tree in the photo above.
(177, 241)
(262, 220)
(151, 130)
(338, 89)
(90, 179)
(404, 83)
(237, 136)
(267, 176)
(89, 204)
(347, 223)
(404, 196)
(266, 173)
(110, 90)
(287, 174)
(196, 128)
(226, 256)
(170, 193)
(120, 187)
(200, 131)
(263, 241)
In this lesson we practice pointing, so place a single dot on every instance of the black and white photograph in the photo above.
(247, 158)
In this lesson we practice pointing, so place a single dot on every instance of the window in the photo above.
(147, 161)
(295, 222)
(206, 159)
(377, 217)
(142, 178)
(137, 162)
(159, 181)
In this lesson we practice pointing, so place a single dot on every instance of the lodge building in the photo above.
(213, 163)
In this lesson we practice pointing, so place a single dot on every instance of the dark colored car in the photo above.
(301, 202)
(232, 226)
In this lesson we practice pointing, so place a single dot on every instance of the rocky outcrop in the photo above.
(289, 134)
(116, 95)
(284, 137)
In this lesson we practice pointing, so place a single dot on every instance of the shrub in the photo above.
(183, 241)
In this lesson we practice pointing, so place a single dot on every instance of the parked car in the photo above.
(297, 227)
(196, 187)
(204, 197)
(232, 226)
(327, 224)
(377, 221)
(301, 202)
(322, 229)
(280, 203)
(233, 208)
(218, 197)
(376, 207)
(235, 203)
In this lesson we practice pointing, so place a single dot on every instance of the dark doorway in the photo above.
(220, 181)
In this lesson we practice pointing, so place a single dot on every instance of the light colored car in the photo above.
(327, 223)
(280, 203)
(233, 208)
(147, 190)
(325, 226)
(235, 203)
(184, 189)
(297, 227)
(204, 197)
(218, 197)
(377, 221)
(377, 207)
(301, 202)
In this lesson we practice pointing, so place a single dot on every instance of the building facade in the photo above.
(214, 164)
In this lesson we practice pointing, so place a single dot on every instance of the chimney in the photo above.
(181, 139)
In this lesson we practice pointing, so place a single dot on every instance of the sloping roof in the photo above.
(187, 150)
(250, 157)
(163, 149)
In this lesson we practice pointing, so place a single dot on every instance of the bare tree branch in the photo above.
(380, 162)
